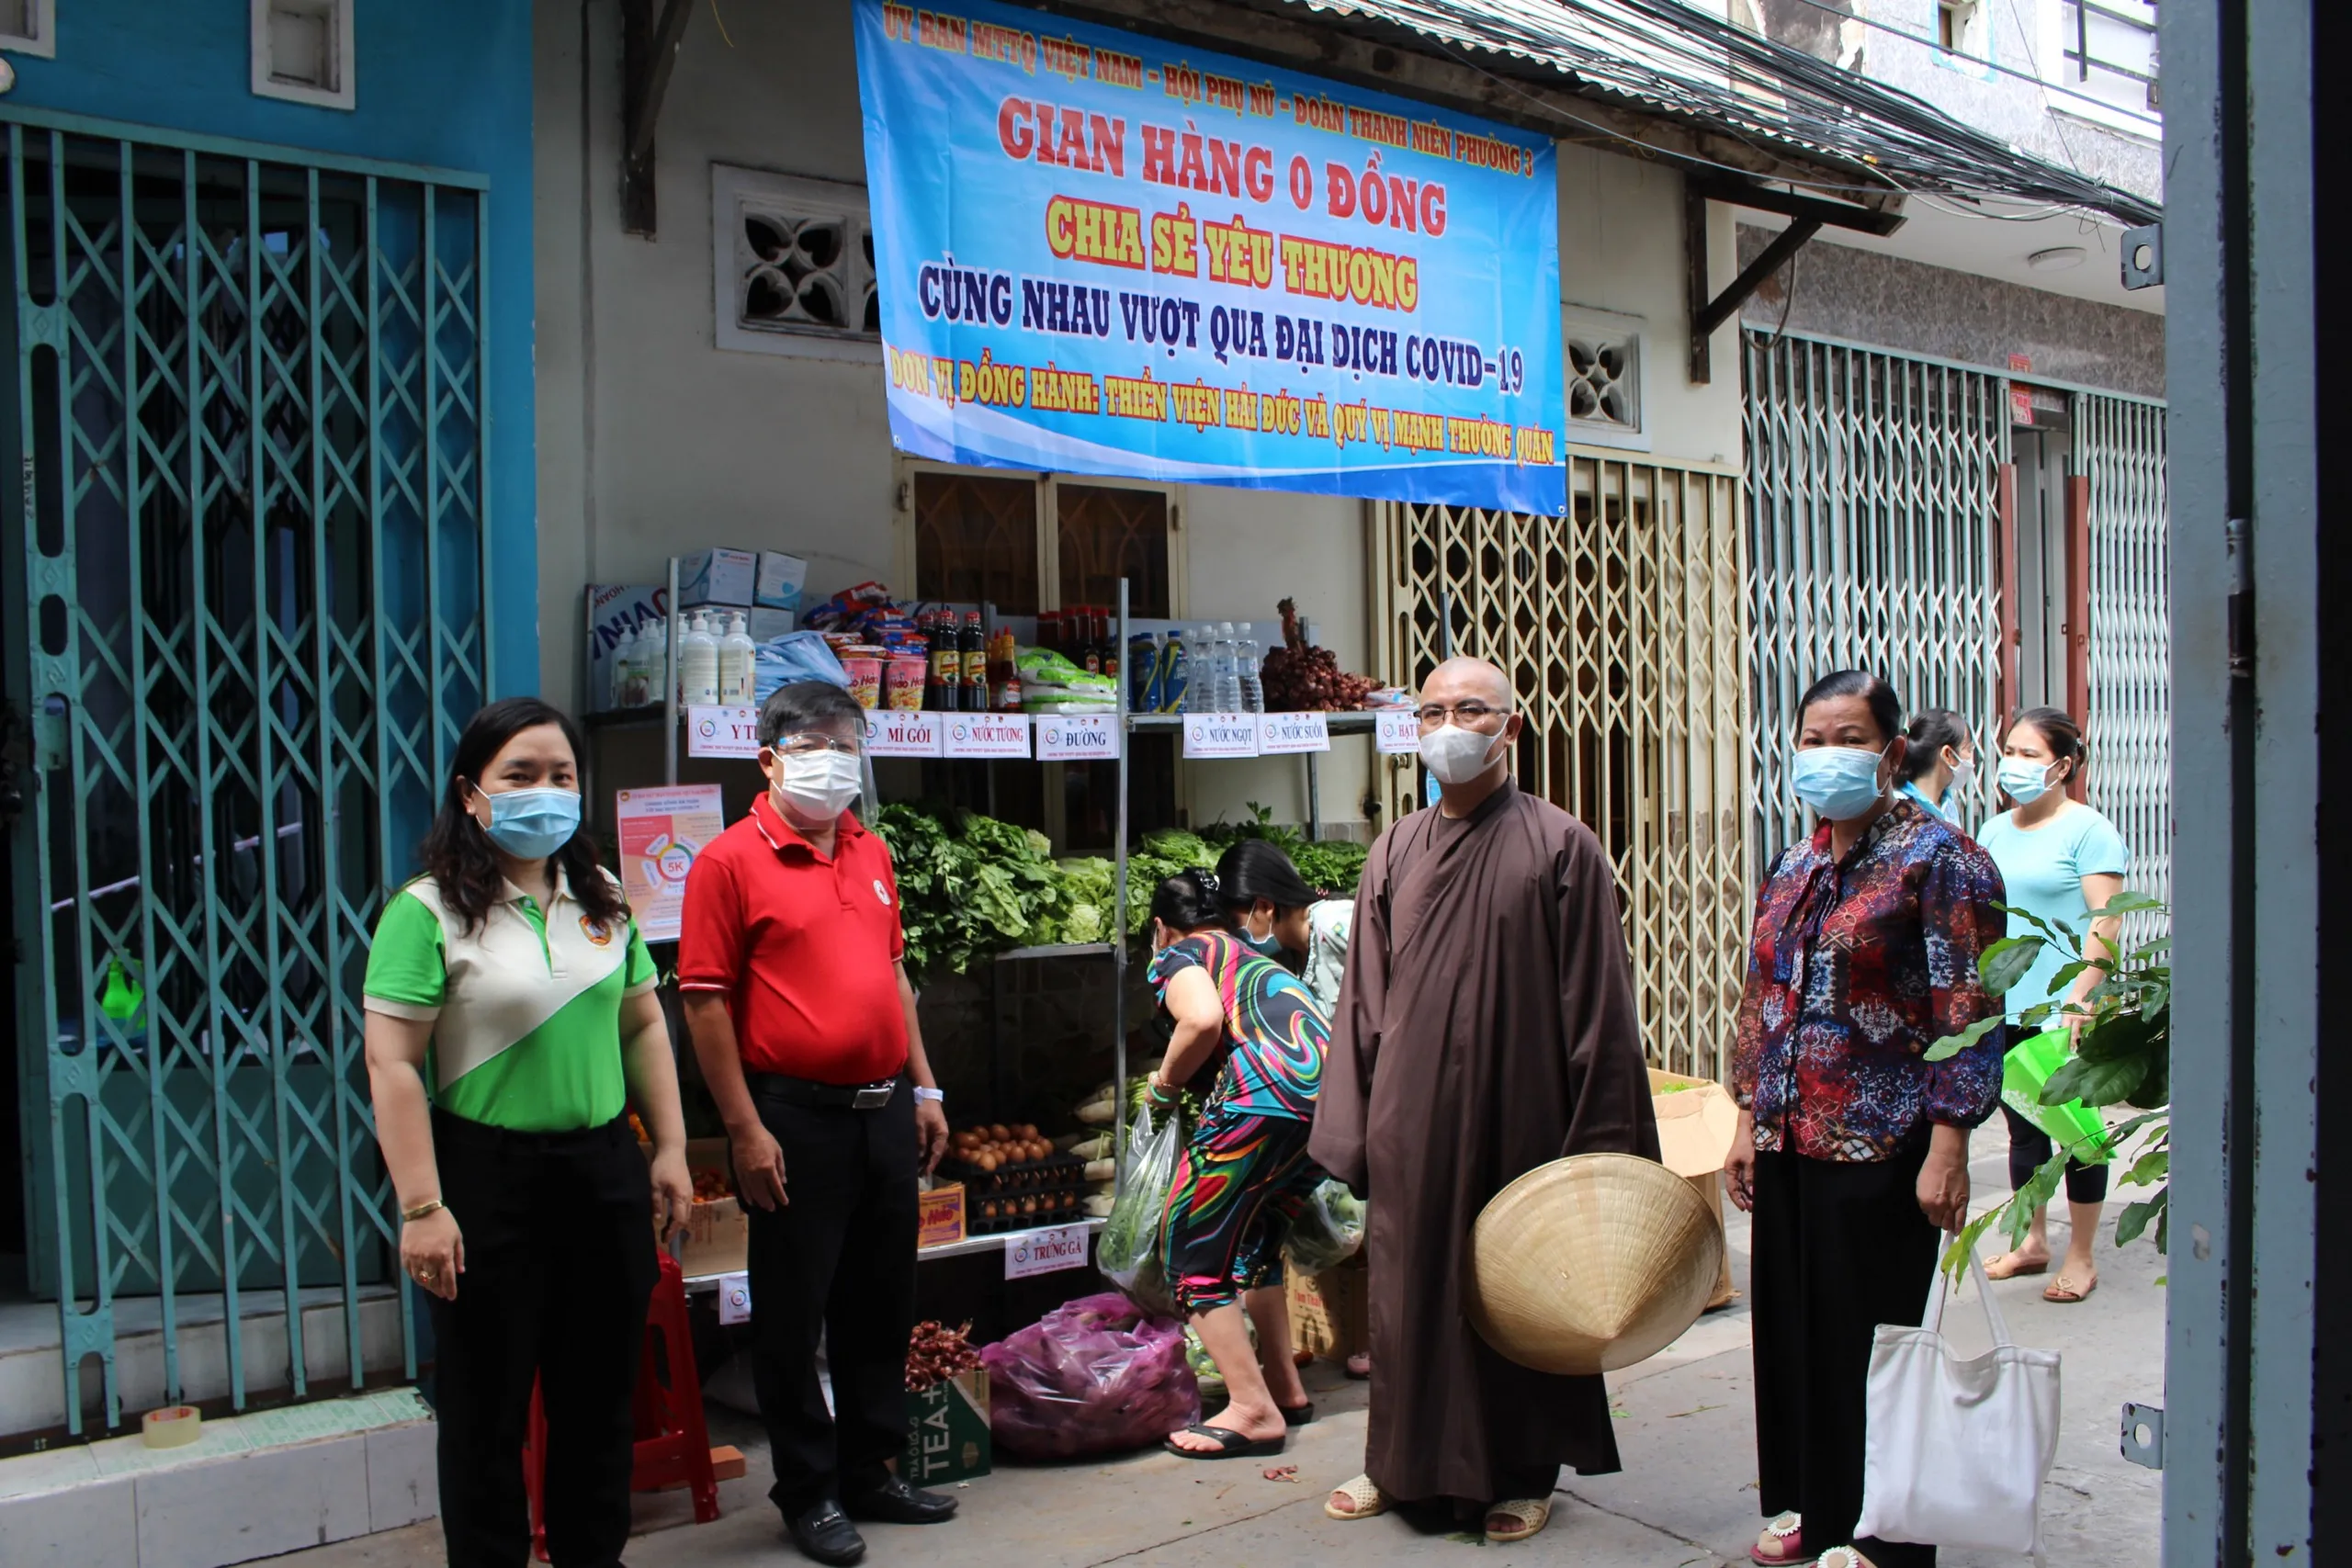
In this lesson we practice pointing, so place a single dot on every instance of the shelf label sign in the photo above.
(985, 734)
(1256, 278)
(1078, 737)
(1045, 1251)
(1397, 731)
(902, 732)
(1220, 735)
(722, 732)
(1282, 734)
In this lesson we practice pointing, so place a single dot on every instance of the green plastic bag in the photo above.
(2073, 1126)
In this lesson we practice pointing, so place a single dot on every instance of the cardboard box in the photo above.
(719, 1234)
(947, 1431)
(776, 584)
(764, 625)
(1697, 1120)
(940, 1215)
(718, 577)
(1330, 1313)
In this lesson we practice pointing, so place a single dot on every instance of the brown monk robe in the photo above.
(1487, 1026)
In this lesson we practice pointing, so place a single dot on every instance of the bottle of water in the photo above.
(1246, 661)
(1228, 686)
(1200, 671)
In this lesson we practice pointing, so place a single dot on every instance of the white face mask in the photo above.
(1963, 774)
(1455, 756)
(819, 785)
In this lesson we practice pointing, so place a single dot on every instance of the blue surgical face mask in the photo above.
(1263, 946)
(2024, 781)
(531, 824)
(1839, 782)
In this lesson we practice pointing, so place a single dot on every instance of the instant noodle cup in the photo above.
(864, 680)
(903, 679)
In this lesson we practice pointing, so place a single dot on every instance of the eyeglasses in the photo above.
(811, 740)
(1469, 715)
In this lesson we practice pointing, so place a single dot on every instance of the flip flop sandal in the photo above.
(1842, 1557)
(1360, 1365)
(1528, 1514)
(1994, 1271)
(1363, 1493)
(1230, 1444)
(2064, 1290)
(1297, 1415)
(1785, 1537)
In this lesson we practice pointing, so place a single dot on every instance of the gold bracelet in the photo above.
(431, 1205)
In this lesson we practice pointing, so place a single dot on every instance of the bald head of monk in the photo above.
(1469, 722)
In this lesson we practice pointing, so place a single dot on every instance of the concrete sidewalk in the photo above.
(1685, 1498)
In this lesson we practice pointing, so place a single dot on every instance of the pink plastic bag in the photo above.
(1093, 1376)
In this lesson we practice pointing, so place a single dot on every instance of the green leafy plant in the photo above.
(2122, 1056)
(969, 887)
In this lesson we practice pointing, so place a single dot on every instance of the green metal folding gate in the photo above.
(1873, 513)
(2119, 447)
(248, 414)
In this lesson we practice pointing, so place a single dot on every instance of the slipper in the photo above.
(1784, 1537)
(1360, 1365)
(1230, 1444)
(1843, 1557)
(1363, 1493)
(1994, 1271)
(2064, 1290)
(1527, 1516)
(1297, 1414)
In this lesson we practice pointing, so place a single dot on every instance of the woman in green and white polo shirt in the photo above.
(510, 1020)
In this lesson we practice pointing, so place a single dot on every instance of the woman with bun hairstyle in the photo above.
(1940, 763)
(2060, 860)
(1250, 1040)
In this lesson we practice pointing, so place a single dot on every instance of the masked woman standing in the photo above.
(510, 1020)
(1852, 1149)
(1279, 916)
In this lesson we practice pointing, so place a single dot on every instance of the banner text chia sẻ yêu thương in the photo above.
(1101, 253)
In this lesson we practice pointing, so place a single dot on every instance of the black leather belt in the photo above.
(808, 1092)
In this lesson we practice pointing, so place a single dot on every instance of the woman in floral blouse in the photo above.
(1853, 1150)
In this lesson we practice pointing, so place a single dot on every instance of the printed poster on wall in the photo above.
(662, 832)
(1101, 253)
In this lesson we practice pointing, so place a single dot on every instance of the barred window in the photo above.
(793, 265)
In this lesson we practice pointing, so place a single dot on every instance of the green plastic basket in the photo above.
(2073, 1126)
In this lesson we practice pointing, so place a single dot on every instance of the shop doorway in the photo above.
(2046, 596)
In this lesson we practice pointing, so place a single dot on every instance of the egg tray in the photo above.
(1069, 1200)
(1029, 1176)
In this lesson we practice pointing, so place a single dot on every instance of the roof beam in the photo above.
(1707, 315)
(1880, 220)
(1390, 57)
(648, 55)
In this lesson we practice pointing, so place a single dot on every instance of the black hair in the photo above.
(1252, 869)
(806, 704)
(1931, 730)
(1886, 708)
(2061, 734)
(1189, 901)
(457, 852)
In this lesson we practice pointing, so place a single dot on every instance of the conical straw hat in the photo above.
(1592, 1263)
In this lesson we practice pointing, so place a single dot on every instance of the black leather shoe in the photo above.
(825, 1535)
(895, 1502)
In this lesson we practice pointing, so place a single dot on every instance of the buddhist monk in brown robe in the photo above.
(1487, 1026)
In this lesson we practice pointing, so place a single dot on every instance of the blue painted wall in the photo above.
(442, 82)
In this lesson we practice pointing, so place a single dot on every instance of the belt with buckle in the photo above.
(808, 1092)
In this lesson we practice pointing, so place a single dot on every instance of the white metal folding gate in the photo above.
(1873, 484)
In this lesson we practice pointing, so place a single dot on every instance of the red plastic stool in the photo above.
(673, 1443)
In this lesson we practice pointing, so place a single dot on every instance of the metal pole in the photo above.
(1119, 915)
(1314, 799)
(670, 688)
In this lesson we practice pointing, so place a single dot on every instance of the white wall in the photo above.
(653, 440)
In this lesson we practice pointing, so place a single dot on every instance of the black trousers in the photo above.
(836, 1263)
(2030, 1150)
(560, 1265)
(1838, 1249)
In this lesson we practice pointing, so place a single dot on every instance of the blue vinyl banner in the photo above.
(1099, 253)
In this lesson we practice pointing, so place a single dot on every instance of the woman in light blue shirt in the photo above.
(1940, 763)
(2060, 860)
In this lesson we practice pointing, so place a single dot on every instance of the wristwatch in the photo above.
(929, 1096)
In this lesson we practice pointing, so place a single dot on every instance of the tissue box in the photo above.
(778, 584)
(718, 577)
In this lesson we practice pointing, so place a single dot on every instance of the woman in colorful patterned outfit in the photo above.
(1853, 1149)
(1249, 1039)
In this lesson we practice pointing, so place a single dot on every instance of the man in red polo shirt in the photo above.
(804, 1026)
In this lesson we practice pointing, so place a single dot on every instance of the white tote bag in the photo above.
(1957, 1449)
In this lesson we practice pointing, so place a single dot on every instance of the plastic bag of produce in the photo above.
(1329, 1233)
(1128, 1253)
(1094, 1376)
